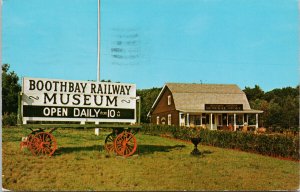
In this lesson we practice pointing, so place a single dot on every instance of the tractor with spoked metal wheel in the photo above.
(74, 104)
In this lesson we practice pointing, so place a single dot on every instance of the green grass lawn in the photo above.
(80, 163)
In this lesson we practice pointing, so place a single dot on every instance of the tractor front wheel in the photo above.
(109, 143)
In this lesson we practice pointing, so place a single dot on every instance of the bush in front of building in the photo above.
(9, 119)
(277, 145)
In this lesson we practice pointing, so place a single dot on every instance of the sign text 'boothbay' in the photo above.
(66, 100)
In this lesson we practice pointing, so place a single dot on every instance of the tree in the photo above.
(261, 104)
(148, 97)
(280, 106)
(10, 90)
(277, 94)
(290, 112)
(254, 93)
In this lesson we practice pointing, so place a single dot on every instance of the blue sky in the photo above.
(151, 42)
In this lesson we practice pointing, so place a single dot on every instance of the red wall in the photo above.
(162, 109)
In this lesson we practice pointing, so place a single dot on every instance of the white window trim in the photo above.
(169, 119)
(157, 120)
(169, 100)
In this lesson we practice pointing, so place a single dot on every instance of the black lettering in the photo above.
(100, 89)
(116, 89)
(48, 85)
(83, 86)
(93, 87)
(39, 85)
(95, 100)
(63, 86)
(128, 89)
(87, 99)
(104, 88)
(109, 91)
(76, 97)
(61, 99)
(122, 92)
(77, 88)
(55, 85)
(110, 102)
(71, 87)
(47, 99)
(31, 85)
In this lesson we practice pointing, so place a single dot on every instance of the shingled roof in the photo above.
(193, 97)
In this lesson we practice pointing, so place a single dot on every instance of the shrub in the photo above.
(9, 119)
(278, 145)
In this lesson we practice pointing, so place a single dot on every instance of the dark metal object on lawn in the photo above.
(195, 141)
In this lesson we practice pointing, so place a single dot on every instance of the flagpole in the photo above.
(98, 46)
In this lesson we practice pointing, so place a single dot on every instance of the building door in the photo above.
(230, 119)
(220, 122)
(224, 119)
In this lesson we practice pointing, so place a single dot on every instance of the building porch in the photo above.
(220, 120)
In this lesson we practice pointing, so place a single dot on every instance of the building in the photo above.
(212, 106)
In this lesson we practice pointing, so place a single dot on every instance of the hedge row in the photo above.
(277, 145)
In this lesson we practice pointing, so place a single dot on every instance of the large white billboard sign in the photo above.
(66, 100)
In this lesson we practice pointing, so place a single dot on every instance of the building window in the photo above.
(157, 120)
(169, 119)
(197, 120)
(192, 120)
(204, 120)
(163, 120)
(182, 119)
(169, 100)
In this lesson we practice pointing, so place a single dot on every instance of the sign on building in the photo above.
(224, 107)
(66, 100)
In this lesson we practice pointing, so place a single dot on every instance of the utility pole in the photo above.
(98, 47)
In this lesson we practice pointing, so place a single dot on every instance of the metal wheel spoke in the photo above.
(43, 151)
(43, 137)
(131, 142)
(110, 139)
(43, 144)
(125, 144)
(130, 147)
(47, 150)
(39, 151)
(127, 150)
(109, 143)
(109, 147)
(129, 138)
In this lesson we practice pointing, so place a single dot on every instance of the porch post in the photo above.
(201, 119)
(247, 118)
(243, 118)
(179, 119)
(211, 120)
(227, 119)
(234, 122)
(256, 117)
(188, 119)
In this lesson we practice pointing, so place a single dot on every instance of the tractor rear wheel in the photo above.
(125, 144)
(43, 143)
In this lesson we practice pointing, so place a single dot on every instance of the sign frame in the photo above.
(59, 100)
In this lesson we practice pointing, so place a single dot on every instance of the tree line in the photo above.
(280, 106)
